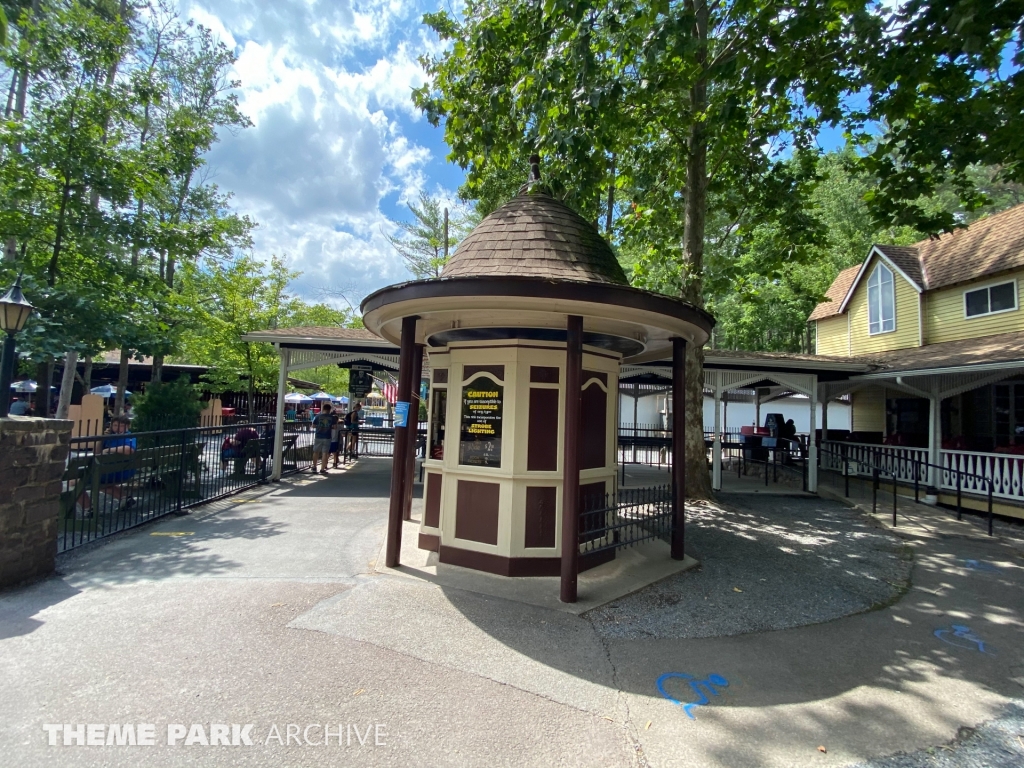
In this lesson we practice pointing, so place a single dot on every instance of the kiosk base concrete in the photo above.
(632, 569)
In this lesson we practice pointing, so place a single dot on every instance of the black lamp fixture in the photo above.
(14, 312)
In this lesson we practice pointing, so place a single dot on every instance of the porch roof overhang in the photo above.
(988, 354)
(315, 346)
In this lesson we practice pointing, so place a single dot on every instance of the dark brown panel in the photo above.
(593, 435)
(542, 439)
(476, 511)
(540, 516)
(591, 497)
(432, 501)
(440, 375)
(590, 375)
(541, 374)
(590, 560)
(469, 371)
(430, 542)
(502, 566)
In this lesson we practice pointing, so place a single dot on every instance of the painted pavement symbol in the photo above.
(709, 684)
(962, 636)
(981, 565)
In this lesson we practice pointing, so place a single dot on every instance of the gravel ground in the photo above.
(767, 562)
(998, 743)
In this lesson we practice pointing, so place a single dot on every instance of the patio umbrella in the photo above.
(298, 398)
(24, 386)
(343, 400)
(108, 390)
(321, 396)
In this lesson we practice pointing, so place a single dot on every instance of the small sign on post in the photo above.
(401, 414)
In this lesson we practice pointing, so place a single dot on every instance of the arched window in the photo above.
(881, 301)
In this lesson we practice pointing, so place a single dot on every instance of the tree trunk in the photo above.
(87, 376)
(44, 374)
(11, 244)
(122, 381)
(67, 383)
(698, 481)
(158, 368)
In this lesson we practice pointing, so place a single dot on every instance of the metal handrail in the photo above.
(877, 471)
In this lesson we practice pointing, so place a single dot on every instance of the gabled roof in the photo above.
(989, 246)
(835, 295)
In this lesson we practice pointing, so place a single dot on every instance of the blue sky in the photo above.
(336, 147)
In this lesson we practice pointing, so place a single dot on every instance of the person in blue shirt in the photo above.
(19, 407)
(120, 440)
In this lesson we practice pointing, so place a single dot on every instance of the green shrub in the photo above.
(167, 405)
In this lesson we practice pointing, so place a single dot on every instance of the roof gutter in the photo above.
(966, 368)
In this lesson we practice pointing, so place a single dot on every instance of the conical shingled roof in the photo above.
(535, 235)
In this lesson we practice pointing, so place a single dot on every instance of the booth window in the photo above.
(438, 409)
(881, 301)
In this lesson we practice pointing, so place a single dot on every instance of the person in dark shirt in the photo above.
(323, 426)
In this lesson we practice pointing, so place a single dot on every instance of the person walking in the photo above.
(352, 426)
(323, 426)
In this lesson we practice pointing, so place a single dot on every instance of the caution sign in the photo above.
(480, 438)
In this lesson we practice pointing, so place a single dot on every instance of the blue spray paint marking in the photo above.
(708, 684)
(961, 636)
(981, 565)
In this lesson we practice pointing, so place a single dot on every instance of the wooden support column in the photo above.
(716, 439)
(571, 459)
(812, 445)
(399, 476)
(282, 390)
(414, 419)
(678, 447)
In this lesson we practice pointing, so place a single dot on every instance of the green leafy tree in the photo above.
(943, 77)
(429, 239)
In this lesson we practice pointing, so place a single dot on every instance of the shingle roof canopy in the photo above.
(535, 235)
(989, 246)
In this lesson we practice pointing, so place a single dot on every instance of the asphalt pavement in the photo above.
(264, 614)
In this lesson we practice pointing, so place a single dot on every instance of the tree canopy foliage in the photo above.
(106, 201)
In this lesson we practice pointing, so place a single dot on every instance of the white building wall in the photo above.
(736, 415)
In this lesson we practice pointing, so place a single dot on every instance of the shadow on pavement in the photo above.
(18, 606)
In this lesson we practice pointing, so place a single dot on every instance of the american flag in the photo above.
(390, 391)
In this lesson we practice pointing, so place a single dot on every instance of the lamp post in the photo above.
(14, 312)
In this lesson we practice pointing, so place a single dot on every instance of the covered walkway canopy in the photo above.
(781, 374)
(315, 346)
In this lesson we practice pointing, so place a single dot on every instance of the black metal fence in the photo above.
(117, 481)
(884, 472)
(633, 516)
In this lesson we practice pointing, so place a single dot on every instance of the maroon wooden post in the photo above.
(398, 463)
(414, 418)
(571, 459)
(678, 447)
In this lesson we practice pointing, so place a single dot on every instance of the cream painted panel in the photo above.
(907, 333)
(831, 336)
(944, 313)
(869, 410)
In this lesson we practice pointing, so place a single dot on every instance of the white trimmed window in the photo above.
(881, 301)
(990, 299)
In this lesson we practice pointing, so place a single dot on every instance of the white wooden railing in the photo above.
(890, 459)
(973, 469)
(1006, 471)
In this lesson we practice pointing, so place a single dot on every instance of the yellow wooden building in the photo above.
(942, 322)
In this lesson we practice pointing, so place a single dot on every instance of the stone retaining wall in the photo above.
(33, 453)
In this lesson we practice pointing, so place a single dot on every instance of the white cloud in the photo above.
(327, 86)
